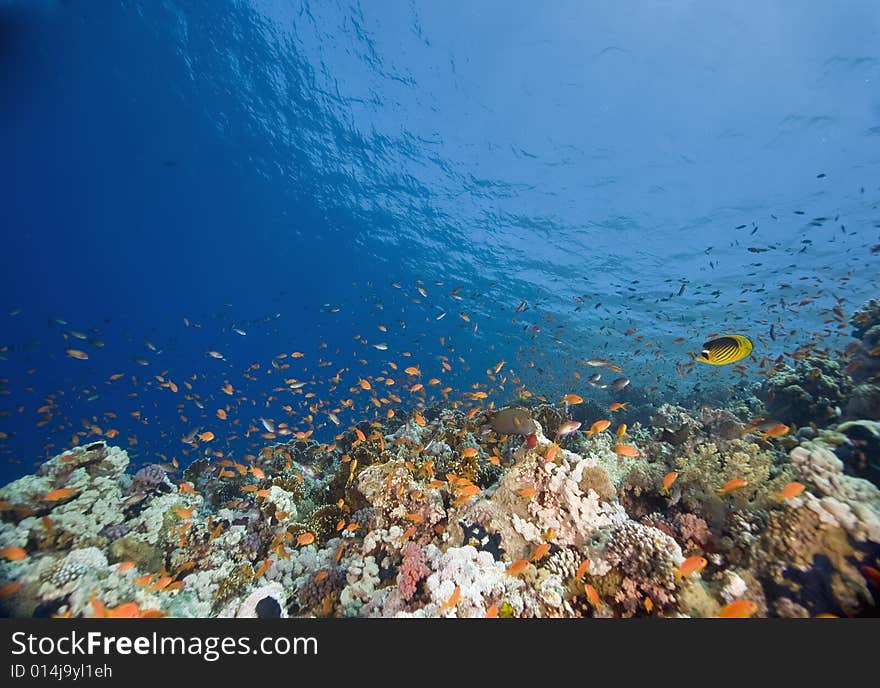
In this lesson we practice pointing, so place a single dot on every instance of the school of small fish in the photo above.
(230, 411)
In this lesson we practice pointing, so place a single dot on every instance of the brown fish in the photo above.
(513, 421)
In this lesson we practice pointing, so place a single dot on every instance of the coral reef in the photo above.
(445, 518)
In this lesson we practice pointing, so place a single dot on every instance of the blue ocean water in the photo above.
(563, 181)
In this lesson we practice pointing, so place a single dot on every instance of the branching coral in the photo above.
(413, 569)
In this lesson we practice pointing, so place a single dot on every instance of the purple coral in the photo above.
(149, 477)
(251, 545)
(116, 531)
(412, 570)
(365, 518)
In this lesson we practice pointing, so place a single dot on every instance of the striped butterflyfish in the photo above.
(727, 349)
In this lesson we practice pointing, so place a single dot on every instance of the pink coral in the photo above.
(694, 530)
(412, 570)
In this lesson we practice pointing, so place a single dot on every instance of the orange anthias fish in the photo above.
(598, 426)
(305, 539)
(517, 567)
(738, 609)
(778, 430)
(617, 406)
(60, 493)
(572, 399)
(10, 589)
(791, 491)
(541, 551)
(731, 485)
(13, 553)
(592, 595)
(206, 436)
(568, 427)
(626, 450)
(668, 479)
(691, 565)
(452, 601)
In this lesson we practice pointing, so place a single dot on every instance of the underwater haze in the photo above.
(237, 225)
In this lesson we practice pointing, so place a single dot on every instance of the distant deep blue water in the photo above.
(564, 180)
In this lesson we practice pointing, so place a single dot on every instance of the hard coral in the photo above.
(814, 390)
(845, 501)
(646, 559)
(324, 584)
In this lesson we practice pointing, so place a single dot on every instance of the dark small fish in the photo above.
(821, 175)
(740, 227)
(619, 383)
(681, 291)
